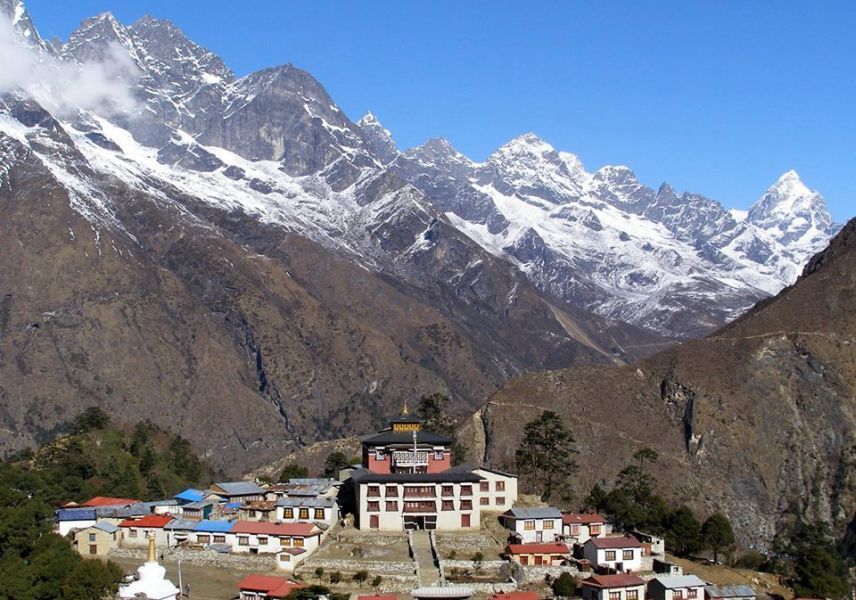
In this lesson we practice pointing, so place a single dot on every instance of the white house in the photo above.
(318, 509)
(620, 553)
(533, 525)
(137, 531)
(497, 490)
(74, 518)
(681, 587)
(578, 528)
(614, 587)
(290, 542)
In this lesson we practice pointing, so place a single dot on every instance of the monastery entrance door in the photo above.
(420, 522)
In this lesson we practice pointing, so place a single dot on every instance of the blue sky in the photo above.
(718, 97)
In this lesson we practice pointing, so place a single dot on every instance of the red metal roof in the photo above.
(516, 596)
(613, 581)
(582, 518)
(616, 541)
(537, 549)
(156, 521)
(274, 587)
(291, 529)
(107, 501)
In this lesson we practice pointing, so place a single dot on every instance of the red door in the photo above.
(374, 522)
(465, 520)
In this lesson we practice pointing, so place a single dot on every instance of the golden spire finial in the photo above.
(404, 410)
(151, 557)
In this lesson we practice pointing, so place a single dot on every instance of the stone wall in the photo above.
(205, 558)
(530, 574)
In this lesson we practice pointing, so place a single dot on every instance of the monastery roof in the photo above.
(448, 476)
(384, 438)
(614, 581)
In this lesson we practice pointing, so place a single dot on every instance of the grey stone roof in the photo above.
(106, 526)
(729, 591)
(546, 512)
(239, 488)
(307, 501)
(678, 581)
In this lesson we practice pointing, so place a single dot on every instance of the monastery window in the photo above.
(448, 505)
(263, 541)
(304, 513)
(391, 506)
(484, 501)
(484, 486)
(203, 539)
(548, 524)
(379, 454)
(219, 539)
(244, 540)
(373, 507)
(632, 595)
(529, 525)
(288, 513)
(610, 555)
(466, 504)
(419, 491)
(319, 514)
(500, 486)
(614, 595)
(500, 500)
(466, 490)
(448, 490)
(627, 555)
(392, 491)
(374, 491)
(438, 455)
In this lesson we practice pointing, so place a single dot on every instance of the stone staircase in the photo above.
(429, 573)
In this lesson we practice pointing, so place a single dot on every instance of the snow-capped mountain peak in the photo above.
(379, 138)
(19, 17)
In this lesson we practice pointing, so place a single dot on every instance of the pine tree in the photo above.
(545, 455)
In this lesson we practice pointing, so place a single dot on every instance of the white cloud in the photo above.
(64, 86)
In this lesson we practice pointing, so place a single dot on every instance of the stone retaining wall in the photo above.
(532, 573)
(205, 558)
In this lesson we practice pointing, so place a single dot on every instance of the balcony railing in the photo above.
(420, 507)
(408, 458)
(419, 494)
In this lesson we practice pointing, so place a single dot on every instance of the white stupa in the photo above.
(151, 583)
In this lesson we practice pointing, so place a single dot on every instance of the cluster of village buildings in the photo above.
(405, 480)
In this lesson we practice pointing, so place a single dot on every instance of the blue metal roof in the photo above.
(214, 526)
(75, 514)
(234, 505)
(191, 495)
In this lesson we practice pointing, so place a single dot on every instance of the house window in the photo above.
(244, 540)
(500, 500)
(614, 595)
(392, 491)
(575, 529)
(374, 491)
(288, 513)
(374, 522)
(304, 513)
(466, 504)
(285, 542)
(203, 539)
(298, 542)
(448, 505)
(373, 507)
(447, 490)
(438, 455)
(632, 595)
(500, 486)
(263, 541)
(465, 520)
(484, 501)
(466, 490)
(529, 525)
(319, 514)
(677, 594)
(594, 530)
(219, 539)
(524, 560)
(548, 524)
(420, 491)
(610, 555)
(692, 593)
(627, 555)
(252, 514)
(391, 506)
(132, 533)
(379, 455)
(484, 486)
(91, 537)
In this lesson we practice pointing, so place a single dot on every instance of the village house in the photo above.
(652, 545)
(617, 553)
(179, 531)
(578, 528)
(198, 511)
(613, 587)
(681, 587)
(68, 519)
(97, 539)
(307, 486)
(169, 506)
(212, 532)
(291, 542)
(78, 516)
(258, 510)
(729, 592)
(322, 510)
(238, 491)
(533, 525)
(257, 587)
(538, 554)
(406, 482)
(137, 530)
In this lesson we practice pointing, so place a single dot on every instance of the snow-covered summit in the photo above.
(379, 138)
